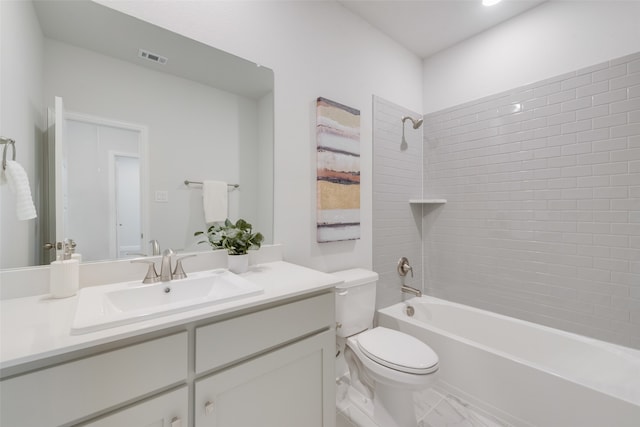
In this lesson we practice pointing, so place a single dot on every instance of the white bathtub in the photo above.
(526, 373)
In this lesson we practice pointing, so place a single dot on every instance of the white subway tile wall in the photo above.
(543, 215)
(397, 177)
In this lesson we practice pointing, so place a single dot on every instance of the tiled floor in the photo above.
(433, 409)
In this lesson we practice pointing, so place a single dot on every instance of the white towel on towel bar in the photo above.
(215, 200)
(19, 184)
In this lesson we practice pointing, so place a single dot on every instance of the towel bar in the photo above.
(187, 182)
(6, 142)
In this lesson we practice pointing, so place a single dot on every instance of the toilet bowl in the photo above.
(385, 366)
(394, 358)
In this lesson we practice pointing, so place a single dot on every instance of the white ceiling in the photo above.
(428, 26)
(422, 26)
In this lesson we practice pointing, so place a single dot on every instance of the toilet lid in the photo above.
(397, 350)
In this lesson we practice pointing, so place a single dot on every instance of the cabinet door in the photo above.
(289, 387)
(167, 410)
(77, 389)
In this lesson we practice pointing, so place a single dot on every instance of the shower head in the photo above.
(416, 123)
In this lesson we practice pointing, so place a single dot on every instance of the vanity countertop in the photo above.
(38, 327)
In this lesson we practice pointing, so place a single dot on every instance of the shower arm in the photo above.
(415, 122)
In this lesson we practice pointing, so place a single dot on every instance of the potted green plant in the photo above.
(236, 238)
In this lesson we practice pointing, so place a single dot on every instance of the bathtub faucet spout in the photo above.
(409, 290)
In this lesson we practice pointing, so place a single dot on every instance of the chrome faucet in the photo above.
(409, 290)
(166, 274)
(155, 247)
(403, 268)
(165, 266)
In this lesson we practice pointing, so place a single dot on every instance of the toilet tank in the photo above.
(355, 301)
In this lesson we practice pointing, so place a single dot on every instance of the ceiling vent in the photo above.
(150, 56)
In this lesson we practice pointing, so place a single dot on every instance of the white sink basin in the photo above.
(102, 307)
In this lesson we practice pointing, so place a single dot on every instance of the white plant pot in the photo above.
(238, 263)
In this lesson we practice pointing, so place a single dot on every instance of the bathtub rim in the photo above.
(397, 311)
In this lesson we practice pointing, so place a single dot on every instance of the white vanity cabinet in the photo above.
(77, 389)
(169, 409)
(285, 374)
(286, 387)
(269, 365)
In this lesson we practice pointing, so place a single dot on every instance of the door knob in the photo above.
(208, 408)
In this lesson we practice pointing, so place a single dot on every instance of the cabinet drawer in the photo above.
(167, 410)
(224, 342)
(76, 389)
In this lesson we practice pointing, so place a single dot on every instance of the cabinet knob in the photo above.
(176, 422)
(208, 408)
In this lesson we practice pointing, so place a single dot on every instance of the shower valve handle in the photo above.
(404, 267)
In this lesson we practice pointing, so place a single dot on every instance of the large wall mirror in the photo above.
(140, 111)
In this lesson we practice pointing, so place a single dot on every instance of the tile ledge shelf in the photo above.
(428, 201)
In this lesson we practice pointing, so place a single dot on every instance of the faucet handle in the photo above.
(152, 274)
(404, 267)
(178, 272)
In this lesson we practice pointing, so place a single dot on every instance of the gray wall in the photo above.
(397, 177)
(543, 215)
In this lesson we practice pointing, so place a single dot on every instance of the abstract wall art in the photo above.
(338, 171)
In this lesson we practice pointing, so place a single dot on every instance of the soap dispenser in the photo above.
(64, 272)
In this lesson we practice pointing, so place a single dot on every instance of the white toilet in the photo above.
(385, 366)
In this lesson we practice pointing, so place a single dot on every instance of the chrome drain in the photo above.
(410, 311)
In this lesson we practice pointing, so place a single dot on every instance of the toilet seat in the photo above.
(398, 351)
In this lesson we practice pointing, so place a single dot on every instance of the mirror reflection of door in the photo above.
(104, 179)
(127, 205)
(53, 192)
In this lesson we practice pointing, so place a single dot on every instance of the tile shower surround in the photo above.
(397, 178)
(543, 215)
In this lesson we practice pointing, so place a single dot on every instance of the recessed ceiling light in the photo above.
(490, 2)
